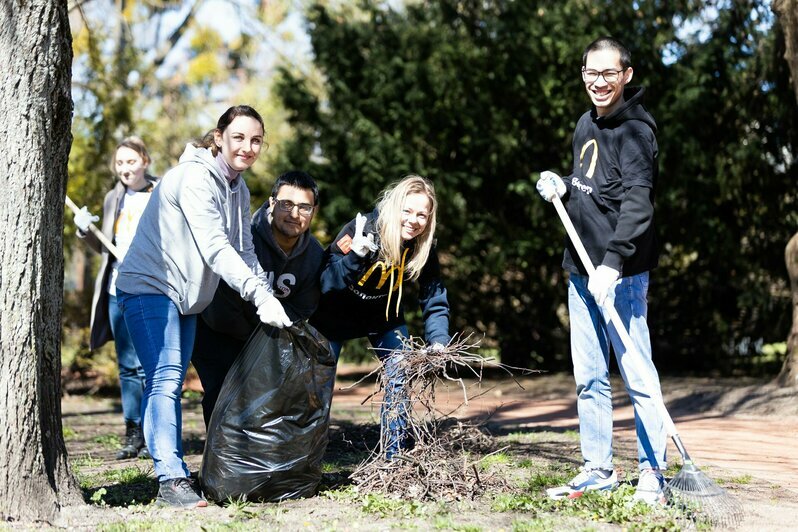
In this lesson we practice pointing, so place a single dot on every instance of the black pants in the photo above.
(213, 356)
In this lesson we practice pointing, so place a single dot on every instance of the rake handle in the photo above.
(95, 231)
(620, 328)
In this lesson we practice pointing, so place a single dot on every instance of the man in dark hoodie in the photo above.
(291, 258)
(609, 197)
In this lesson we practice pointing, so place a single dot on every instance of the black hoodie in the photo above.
(294, 279)
(358, 298)
(611, 189)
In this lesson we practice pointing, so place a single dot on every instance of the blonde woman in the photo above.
(362, 287)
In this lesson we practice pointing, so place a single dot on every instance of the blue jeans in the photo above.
(394, 415)
(591, 337)
(131, 374)
(163, 339)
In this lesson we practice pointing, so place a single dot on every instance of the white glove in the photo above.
(83, 218)
(270, 311)
(550, 184)
(600, 283)
(361, 243)
(435, 349)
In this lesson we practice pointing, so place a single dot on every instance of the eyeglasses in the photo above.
(305, 209)
(610, 75)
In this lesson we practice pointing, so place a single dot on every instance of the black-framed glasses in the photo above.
(305, 209)
(610, 75)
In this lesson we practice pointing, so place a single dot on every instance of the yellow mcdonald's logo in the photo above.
(593, 157)
(385, 273)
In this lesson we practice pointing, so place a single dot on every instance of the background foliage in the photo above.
(479, 97)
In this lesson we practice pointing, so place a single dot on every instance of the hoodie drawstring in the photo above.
(399, 284)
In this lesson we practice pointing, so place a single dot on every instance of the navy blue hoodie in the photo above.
(355, 293)
(611, 189)
(294, 279)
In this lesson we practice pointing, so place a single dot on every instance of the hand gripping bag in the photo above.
(268, 432)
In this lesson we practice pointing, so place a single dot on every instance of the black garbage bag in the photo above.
(268, 431)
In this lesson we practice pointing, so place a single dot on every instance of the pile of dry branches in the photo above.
(444, 462)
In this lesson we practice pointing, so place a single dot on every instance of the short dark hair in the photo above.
(298, 179)
(609, 43)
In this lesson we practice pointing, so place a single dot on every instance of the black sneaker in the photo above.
(179, 492)
(144, 452)
(134, 441)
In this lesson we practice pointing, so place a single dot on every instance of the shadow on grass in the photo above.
(122, 494)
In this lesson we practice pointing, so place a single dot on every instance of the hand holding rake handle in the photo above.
(95, 231)
(692, 487)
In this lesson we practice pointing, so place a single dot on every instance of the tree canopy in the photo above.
(482, 96)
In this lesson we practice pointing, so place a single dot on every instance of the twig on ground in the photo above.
(444, 461)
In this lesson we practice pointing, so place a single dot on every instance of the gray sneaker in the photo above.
(587, 480)
(180, 493)
(650, 488)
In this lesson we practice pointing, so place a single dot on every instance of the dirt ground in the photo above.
(737, 430)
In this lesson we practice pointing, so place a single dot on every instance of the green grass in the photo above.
(390, 507)
(740, 481)
(607, 507)
(109, 441)
(119, 487)
(69, 433)
(493, 460)
(241, 509)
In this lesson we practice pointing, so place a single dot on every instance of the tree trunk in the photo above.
(789, 372)
(787, 11)
(35, 113)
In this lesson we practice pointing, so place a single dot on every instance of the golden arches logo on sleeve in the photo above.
(593, 157)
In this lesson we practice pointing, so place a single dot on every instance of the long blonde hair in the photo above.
(390, 229)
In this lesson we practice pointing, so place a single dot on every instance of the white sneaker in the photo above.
(650, 488)
(587, 480)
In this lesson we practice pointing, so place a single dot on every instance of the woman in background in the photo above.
(122, 209)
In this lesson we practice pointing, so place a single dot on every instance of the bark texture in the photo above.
(35, 120)
(789, 372)
(787, 11)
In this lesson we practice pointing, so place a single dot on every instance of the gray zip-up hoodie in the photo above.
(192, 234)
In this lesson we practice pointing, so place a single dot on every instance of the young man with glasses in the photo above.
(610, 199)
(291, 258)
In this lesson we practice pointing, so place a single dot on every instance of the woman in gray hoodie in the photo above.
(193, 232)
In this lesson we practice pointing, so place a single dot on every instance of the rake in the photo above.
(690, 489)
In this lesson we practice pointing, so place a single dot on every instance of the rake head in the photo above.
(702, 499)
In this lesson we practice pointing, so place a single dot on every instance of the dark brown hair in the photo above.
(225, 120)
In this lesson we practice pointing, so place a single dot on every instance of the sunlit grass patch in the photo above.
(119, 487)
(390, 507)
(240, 509)
(446, 522)
(68, 432)
(108, 441)
(739, 480)
(494, 460)
(601, 506)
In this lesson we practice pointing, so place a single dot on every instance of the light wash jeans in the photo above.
(590, 350)
(163, 339)
(131, 374)
(394, 415)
